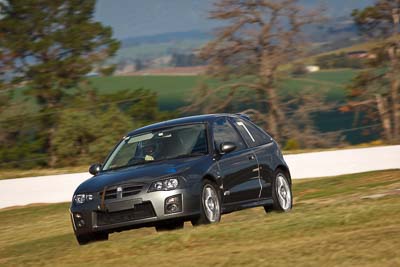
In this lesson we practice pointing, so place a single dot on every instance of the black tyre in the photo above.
(281, 194)
(210, 204)
(170, 226)
(93, 237)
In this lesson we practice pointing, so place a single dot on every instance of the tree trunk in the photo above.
(385, 117)
(395, 83)
(53, 158)
(275, 114)
(395, 108)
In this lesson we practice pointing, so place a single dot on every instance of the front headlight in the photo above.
(165, 184)
(82, 198)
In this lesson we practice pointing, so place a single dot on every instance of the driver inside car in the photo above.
(149, 152)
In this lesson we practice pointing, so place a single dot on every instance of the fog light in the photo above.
(79, 221)
(171, 208)
(173, 204)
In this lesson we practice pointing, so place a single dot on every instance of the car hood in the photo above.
(145, 173)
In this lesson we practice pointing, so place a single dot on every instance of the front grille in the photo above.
(131, 190)
(127, 190)
(140, 211)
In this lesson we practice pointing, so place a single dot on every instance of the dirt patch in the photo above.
(380, 195)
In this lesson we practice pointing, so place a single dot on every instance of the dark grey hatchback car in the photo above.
(188, 169)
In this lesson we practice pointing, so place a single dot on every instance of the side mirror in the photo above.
(227, 147)
(95, 169)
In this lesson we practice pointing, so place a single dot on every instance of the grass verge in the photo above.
(21, 173)
(332, 224)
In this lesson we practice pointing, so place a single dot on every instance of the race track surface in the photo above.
(60, 188)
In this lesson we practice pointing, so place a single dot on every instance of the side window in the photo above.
(224, 132)
(251, 133)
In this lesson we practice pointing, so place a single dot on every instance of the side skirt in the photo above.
(231, 207)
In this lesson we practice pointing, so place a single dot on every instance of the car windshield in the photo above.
(167, 143)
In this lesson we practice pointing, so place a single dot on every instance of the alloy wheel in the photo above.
(211, 203)
(283, 192)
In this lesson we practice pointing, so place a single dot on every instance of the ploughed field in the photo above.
(349, 220)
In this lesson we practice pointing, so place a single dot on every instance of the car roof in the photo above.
(179, 121)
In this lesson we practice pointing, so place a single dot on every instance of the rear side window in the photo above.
(224, 132)
(251, 133)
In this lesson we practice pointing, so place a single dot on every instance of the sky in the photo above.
(130, 18)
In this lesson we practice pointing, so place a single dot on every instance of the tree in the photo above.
(86, 134)
(257, 38)
(78, 139)
(49, 46)
(19, 143)
(378, 89)
(107, 70)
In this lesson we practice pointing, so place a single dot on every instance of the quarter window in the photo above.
(224, 132)
(252, 134)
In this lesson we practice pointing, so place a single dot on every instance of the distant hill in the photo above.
(181, 26)
(167, 37)
(338, 8)
(131, 18)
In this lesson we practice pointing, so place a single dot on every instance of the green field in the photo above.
(171, 90)
(339, 221)
(174, 90)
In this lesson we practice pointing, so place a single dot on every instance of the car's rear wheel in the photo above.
(93, 237)
(210, 204)
(281, 194)
(169, 226)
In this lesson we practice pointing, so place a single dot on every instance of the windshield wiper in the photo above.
(133, 164)
(196, 154)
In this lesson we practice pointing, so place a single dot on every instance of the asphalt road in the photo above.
(59, 188)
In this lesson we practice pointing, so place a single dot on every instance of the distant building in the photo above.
(92, 74)
(358, 54)
(125, 69)
(313, 68)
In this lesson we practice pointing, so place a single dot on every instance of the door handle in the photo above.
(251, 157)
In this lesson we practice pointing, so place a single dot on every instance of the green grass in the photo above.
(21, 173)
(173, 91)
(331, 225)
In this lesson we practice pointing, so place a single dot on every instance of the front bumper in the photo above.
(131, 212)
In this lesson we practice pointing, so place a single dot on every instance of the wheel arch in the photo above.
(285, 170)
(211, 177)
(214, 179)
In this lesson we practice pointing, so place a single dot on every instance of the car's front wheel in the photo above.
(281, 194)
(93, 237)
(210, 204)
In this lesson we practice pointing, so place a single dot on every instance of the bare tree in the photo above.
(378, 89)
(257, 38)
